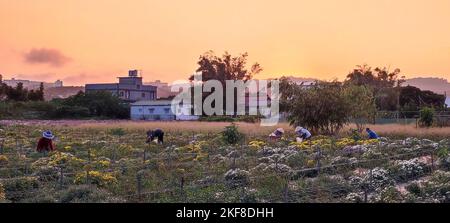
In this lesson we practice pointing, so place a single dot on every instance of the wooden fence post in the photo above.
(169, 156)
(366, 186)
(1, 145)
(183, 195)
(61, 177)
(432, 161)
(286, 190)
(144, 158)
(88, 167)
(319, 155)
(139, 185)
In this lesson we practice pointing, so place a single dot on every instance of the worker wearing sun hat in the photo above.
(277, 134)
(302, 134)
(45, 143)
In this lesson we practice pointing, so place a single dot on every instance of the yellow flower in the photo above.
(95, 177)
(61, 158)
(302, 145)
(256, 144)
(200, 156)
(310, 163)
(67, 148)
(181, 170)
(2, 193)
(368, 141)
(3, 159)
(343, 142)
(103, 163)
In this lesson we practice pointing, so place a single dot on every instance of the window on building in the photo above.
(143, 95)
(121, 94)
(138, 86)
(151, 110)
(140, 110)
(167, 110)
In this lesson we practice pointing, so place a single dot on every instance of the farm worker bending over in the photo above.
(302, 134)
(155, 134)
(372, 134)
(45, 144)
(277, 134)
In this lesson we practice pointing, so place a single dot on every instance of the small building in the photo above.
(159, 110)
(129, 88)
(58, 83)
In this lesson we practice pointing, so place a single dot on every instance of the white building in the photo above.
(159, 110)
(447, 101)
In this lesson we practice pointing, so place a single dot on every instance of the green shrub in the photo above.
(65, 111)
(426, 117)
(19, 188)
(231, 134)
(86, 194)
(415, 189)
(390, 195)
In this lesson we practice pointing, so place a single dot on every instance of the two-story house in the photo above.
(129, 88)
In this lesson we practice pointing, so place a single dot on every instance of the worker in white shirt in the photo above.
(302, 134)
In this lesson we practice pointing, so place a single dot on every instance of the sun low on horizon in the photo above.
(81, 41)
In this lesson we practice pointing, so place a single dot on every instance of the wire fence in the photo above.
(285, 195)
(205, 182)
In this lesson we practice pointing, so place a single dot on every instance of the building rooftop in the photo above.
(152, 103)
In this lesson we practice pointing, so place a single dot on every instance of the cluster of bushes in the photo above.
(81, 105)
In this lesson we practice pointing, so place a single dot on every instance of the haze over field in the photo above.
(82, 41)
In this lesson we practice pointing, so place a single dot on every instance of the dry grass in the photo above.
(168, 126)
(188, 126)
(402, 131)
(386, 130)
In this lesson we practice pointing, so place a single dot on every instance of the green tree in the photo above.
(223, 68)
(37, 95)
(18, 93)
(322, 108)
(384, 84)
(412, 99)
(361, 104)
(226, 67)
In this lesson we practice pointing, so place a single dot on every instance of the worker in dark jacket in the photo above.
(155, 134)
(45, 143)
(372, 134)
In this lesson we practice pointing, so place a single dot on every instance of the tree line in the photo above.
(19, 93)
(21, 103)
(326, 107)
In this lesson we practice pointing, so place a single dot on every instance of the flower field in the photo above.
(116, 165)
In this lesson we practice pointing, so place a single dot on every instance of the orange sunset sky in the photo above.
(82, 41)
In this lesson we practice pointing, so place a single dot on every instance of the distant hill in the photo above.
(301, 79)
(437, 85)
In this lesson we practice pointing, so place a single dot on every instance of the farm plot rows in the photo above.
(116, 165)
